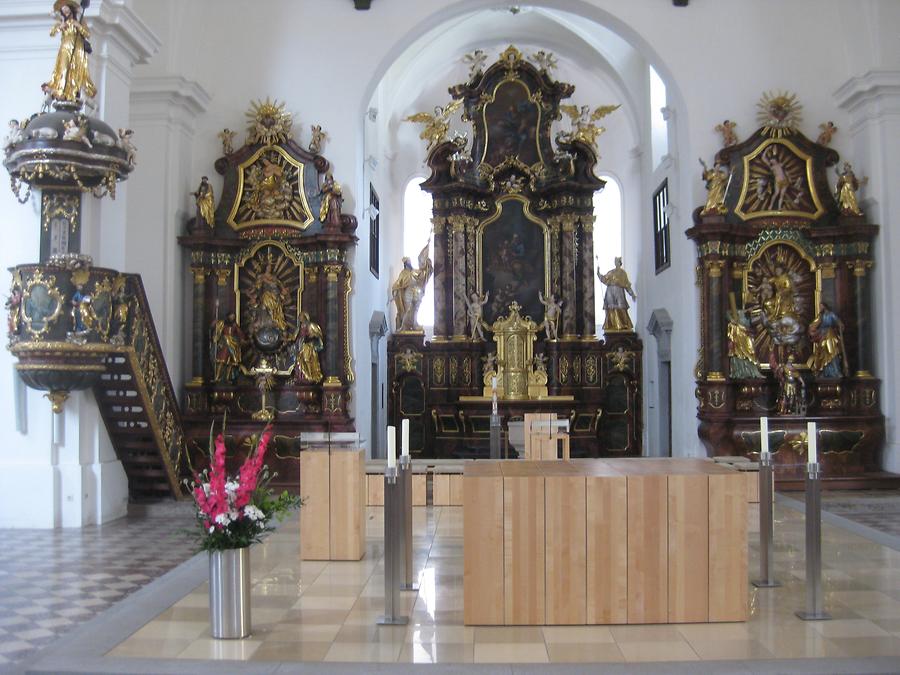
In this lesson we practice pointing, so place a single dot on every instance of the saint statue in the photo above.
(70, 73)
(226, 343)
(716, 182)
(845, 191)
(309, 343)
(827, 334)
(741, 354)
(408, 290)
(614, 301)
(271, 295)
(332, 199)
(791, 398)
(206, 202)
(474, 310)
(552, 312)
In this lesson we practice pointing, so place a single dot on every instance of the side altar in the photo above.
(784, 258)
(514, 276)
(271, 284)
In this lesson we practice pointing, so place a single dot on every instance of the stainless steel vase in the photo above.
(229, 593)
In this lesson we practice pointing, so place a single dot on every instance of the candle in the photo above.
(494, 382)
(812, 454)
(764, 435)
(392, 447)
(404, 437)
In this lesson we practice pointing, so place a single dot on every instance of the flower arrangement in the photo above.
(236, 511)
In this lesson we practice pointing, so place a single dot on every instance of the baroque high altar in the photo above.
(514, 276)
(784, 261)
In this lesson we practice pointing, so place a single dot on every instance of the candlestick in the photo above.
(392, 447)
(812, 454)
(494, 382)
(764, 435)
(404, 437)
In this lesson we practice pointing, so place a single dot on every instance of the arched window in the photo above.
(417, 205)
(607, 234)
(659, 127)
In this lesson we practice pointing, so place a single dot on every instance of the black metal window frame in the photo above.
(661, 241)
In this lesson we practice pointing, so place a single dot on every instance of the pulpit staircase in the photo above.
(138, 406)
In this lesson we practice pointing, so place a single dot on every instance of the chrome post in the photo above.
(814, 605)
(766, 525)
(393, 549)
(407, 582)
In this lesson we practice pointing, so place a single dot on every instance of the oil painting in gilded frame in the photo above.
(511, 121)
(513, 260)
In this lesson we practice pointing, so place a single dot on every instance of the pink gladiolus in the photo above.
(249, 474)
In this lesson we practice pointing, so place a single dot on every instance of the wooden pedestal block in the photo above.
(648, 591)
(566, 555)
(523, 550)
(419, 492)
(607, 549)
(375, 490)
(483, 546)
(332, 521)
(752, 478)
(688, 548)
(440, 489)
(728, 547)
(532, 452)
(456, 490)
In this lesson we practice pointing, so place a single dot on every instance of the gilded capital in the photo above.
(332, 271)
(222, 276)
(859, 267)
(439, 223)
(714, 267)
(199, 274)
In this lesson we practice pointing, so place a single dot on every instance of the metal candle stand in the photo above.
(814, 602)
(766, 525)
(407, 581)
(393, 549)
(495, 428)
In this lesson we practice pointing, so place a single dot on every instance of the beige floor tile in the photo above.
(325, 602)
(849, 628)
(300, 632)
(506, 634)
(576, 634)
(569, 652)
(440, 652)
(377, 652)
(646, 634)
(315, 616)
(194, 600)
(274, 602)
(230, 650)
(520, 652)
(803, 647)
(372, 633)
(172, 630)
(714, 650)
(440, 634)
(150, 648)
(658, 651)
(714, 631)
(271, 650)
(868, 646)
(889, 625)
(184, 614)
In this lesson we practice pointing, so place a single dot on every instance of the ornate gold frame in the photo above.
(275, 221)
(49, 283)
(479, 236)
(240, 263)
(745, 186)
(533, 97)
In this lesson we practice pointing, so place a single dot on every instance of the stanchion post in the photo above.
(393, 549)
(766, 525)
(814, 605)
(407, 582)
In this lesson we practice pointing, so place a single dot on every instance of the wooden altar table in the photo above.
(604, 541)
(332, 519)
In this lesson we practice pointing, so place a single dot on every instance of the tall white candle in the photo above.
(494, 382)
(812, 453)
(764, 435)
(404, 437)
(392, 447)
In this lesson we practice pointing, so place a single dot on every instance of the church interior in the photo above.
(438, 299)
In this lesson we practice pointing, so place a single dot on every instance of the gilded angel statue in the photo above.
(408, 290)
(584, 127)
(437, 125)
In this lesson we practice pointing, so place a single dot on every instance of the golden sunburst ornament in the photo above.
(778, 113)
(269, 122)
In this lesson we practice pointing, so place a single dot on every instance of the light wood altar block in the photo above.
(332, 520)
(529, 419)
(607, 548)
(727, 547)
(483, 544)
(688, 548)
(456, 489)
(647, 548)
(523, 544)
(440, 489)
(375, 490)
(565, 514)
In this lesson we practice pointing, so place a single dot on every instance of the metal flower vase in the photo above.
(229, 593)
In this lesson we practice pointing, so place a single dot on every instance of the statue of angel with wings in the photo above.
(584, 123)
(437, 125)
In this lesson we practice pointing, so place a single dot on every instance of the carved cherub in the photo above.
(227, 138)
(726, 128)
(436, 125)
(16, 135)
(545, 61)
(126, 144)
(76, 129)
(828, 132)
(318, 137)
(475, 60)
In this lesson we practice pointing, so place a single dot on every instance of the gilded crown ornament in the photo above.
(268, 123)
(778, 113)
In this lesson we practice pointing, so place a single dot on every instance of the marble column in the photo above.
(198, 332)
(441, 328)
(714, 352)
(332, 324)
(863, 309)
(568, 272)
(458, 230)
(588, 275)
